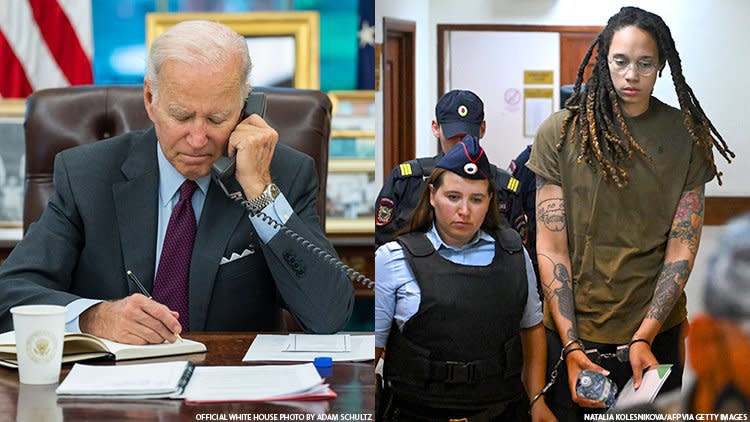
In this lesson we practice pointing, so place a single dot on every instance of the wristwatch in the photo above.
(264, 199)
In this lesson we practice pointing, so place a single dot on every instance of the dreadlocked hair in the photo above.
(595, 114)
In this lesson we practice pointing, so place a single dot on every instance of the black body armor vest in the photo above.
(462, 349)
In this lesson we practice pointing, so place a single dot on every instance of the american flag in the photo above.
(366, 52)
(44, 44)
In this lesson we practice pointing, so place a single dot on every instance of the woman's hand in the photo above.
(577, 361)
(641, 358)
(540, 412)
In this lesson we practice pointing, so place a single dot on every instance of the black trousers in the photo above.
(668, 347)
(399, 411)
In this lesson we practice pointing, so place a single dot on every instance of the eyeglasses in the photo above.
(621, 66)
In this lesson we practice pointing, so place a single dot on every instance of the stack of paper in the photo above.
(180, 380)
(150, 380)
(256, 384)
(306, 347)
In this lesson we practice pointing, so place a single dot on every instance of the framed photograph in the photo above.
(12, 163)
(13, 108)
(352, 148)
(353, 114)
(351, 190)
(284, 46)
(350, 197)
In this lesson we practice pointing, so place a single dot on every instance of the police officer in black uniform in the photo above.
(457, 113)
(527, 195)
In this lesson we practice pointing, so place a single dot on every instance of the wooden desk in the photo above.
(353, 382)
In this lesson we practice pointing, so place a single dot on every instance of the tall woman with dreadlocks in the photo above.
(620, 193)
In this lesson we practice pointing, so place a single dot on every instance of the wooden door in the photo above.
(398, 92)
(573, 47)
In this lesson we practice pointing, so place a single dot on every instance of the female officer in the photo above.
(620, 192)
(456, 305)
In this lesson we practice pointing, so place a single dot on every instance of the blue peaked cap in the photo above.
(467, 159)
(460, 112)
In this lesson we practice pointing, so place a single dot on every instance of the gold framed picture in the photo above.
(12, 168)
(284, 46)
(350, 197)
(351, 190)
(353, 114)
(13, 108)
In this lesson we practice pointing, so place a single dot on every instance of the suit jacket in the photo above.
(102, 221)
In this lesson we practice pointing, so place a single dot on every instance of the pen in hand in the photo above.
(145, 292)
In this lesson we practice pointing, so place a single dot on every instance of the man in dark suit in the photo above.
(135, 202)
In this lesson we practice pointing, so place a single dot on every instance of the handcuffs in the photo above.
(622, 353)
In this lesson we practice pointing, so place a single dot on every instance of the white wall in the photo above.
(493, 63)
(714, 51)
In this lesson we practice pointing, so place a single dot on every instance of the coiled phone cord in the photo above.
(325, 256)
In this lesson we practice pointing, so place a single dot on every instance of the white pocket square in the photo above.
(235, 256)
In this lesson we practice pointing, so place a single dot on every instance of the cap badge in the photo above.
(470, 168)
(462, 110)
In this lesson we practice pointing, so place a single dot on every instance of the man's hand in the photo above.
(135, 319)
(577, 361)
(641, 358)
(253, 143)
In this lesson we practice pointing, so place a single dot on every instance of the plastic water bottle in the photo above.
(595, 386)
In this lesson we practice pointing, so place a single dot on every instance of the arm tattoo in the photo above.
(669, 286)
(563, 292)
(688, 220)
(551, 213)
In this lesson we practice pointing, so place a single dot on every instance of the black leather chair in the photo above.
(61, 118)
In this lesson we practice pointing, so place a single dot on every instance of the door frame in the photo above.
(443, 30)
(400, 147)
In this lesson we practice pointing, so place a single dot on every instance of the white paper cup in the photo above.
(39, 342)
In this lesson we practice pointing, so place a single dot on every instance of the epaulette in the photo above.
(420, 167)
(506, 181)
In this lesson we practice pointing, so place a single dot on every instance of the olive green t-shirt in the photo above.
(617, 237)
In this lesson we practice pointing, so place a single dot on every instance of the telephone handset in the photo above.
(254, 104)
(224, 167)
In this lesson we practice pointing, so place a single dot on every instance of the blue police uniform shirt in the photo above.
(397, 293)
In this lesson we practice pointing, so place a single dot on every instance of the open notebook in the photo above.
(81, 346)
